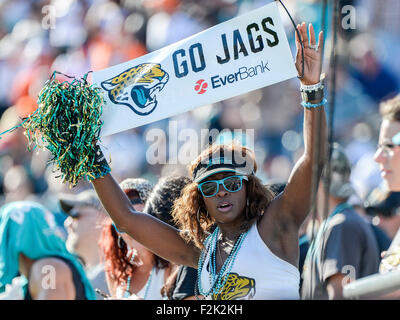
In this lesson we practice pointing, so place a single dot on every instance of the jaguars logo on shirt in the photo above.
(237, 287)
(137, 87)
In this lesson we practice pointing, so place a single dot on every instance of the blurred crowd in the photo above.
(73, 37)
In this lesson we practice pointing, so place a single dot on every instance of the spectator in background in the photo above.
(31, 248)
(133, 272)
(384, 207)
(377, 81)
(181, 283)
(17, 185)
(383, 21)
(388, 158)
(388, 153)
(344, 243)
(380, 234)
(21, 179)
(83, 225)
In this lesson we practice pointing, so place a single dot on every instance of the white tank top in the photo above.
(257, 274)
(154, 286)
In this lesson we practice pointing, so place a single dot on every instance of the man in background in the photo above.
(84, 225)
(345, 247)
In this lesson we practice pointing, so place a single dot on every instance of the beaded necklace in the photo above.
(128, 282)
(217, 280)
(127, 293)
(148, 283)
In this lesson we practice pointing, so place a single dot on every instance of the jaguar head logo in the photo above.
(237, 287)
(137, 87)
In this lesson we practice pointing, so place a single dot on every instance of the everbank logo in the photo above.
(201, 86)
(244, 72)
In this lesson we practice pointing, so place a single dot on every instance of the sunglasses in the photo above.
(74, 213)
(231, 184)
(387, 148)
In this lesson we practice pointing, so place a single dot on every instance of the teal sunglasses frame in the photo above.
(222, 181)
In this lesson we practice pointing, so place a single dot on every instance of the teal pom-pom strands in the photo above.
(67, 122)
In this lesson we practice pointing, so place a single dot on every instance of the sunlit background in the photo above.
(73, 37)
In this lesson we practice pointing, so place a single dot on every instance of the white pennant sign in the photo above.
(240, 55)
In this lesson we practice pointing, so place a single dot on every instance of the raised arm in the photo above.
(296, 199)
(157, 236)
(295, 202)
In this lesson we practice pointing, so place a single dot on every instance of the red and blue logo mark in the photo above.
(201, 86)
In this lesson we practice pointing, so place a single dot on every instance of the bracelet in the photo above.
(102, 171)
(313, 105)
(312, 87)
(316, 95)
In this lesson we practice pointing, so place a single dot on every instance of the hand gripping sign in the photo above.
(243, 54)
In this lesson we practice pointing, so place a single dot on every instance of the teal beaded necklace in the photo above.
(127, 293)
(217, 280)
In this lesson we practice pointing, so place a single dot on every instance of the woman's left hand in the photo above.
(312, 57)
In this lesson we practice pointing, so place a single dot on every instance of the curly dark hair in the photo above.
(191, 202)
(159, 204)
(161, 199)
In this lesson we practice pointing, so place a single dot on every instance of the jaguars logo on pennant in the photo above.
(137, 87)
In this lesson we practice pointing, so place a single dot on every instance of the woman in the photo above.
(254, 240)
(124, 257)
(181, 283)
(132, 271)
(31, 248)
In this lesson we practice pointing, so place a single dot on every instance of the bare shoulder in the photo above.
(51, 278)
(276, 218)
(279, 232)
(45, 265)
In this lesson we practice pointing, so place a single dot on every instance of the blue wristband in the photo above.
(313, 105)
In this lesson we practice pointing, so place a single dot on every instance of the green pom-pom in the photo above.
(67, 123)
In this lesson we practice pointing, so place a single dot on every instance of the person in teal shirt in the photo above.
(32, 252)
